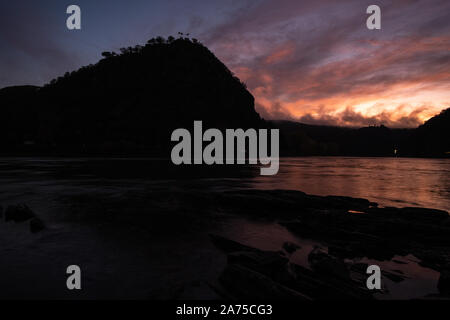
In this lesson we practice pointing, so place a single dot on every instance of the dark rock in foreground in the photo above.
(36, 225)
(18, 213)
(351, 228)
(290, 247)
(22, 213)
(254, 273)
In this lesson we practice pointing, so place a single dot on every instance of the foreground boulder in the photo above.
(22, 213)
(36, 225)
(18, 213)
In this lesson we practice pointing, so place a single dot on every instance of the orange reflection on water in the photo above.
(396, 182)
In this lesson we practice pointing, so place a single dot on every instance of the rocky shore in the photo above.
(349, 229)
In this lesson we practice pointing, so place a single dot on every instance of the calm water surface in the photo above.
(125, 262)
(389, 181)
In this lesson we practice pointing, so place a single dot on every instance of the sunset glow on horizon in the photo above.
(328, 68)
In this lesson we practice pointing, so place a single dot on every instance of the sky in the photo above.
(309, 61)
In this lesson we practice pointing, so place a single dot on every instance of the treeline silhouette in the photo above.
(130, 102)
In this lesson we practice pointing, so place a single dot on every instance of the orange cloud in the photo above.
(279, 55)
(316, 61)
(401, 82)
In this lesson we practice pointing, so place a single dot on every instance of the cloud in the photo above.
(352, 118)
(316, 60)
(32, 53)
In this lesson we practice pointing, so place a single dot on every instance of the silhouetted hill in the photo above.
(129, 102)
(431, 138)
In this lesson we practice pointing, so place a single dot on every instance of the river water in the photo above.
(175, 259)
(398, 182)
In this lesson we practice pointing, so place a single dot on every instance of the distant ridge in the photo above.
(428, 140)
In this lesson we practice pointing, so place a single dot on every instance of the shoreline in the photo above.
(350, 229)
(167, 158)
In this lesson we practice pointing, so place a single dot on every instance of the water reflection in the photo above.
(388, 181)
(160, 253)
